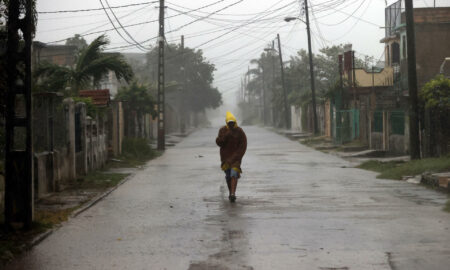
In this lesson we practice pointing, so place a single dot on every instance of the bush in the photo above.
(435, 94)
(137, 148)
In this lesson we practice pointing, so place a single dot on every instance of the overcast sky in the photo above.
(254, 24)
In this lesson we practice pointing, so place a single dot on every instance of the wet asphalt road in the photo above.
(296, 209)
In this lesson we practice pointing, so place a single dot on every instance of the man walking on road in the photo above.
(233, 144)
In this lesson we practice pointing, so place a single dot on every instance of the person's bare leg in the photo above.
(229, 186)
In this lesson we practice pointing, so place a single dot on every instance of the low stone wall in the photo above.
(376, 141)
(397, 144)
(64, 168)
(437, 180)
(44, 180)
(97, 153)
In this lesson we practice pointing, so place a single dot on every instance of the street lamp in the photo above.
(288, 19)
(311, 66)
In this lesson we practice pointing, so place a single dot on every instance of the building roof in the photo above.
(99, 97)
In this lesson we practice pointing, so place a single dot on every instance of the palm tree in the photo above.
(92, 64)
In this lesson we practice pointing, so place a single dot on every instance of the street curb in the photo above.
(38, 239)
(99, 197)
(41, 237)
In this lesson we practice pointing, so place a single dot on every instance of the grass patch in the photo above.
(135, 152)
(353, 145)
(447, 206)
(13, 243)
(99, 180)
(396, 169)
(49, 218)
(311, 141)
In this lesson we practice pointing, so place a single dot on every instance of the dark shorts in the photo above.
(231, 173)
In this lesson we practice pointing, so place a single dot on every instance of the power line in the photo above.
(136, 24)
(226, 7)
(140, 46)
(349, 15)
(237, 27)
(222, 14)
(93, 9)
(141, 9)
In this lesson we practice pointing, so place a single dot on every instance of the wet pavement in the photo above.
(296, 209)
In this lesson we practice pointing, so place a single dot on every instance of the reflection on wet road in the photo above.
(296, 209)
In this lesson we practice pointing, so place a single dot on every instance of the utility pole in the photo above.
(414, 142)
(161, 98)
(263, 95)
(286, 112)
(354, 79)
(19, 203)
(311, 70)
(183, 94)
(273, 81)
(341, 81)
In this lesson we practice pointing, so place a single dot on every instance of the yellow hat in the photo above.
(230, 117)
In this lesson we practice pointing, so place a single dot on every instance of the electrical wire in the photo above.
(237, 27)
(138, 45)
(135, 24)
(94, 9)
(141, 9)
(114, 26)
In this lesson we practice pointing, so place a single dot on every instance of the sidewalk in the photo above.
(359, 154)
(55, 209)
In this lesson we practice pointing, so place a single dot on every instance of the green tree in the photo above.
(78, 41)
(435, 94)
(137, 97)
(197, 77)
(92, 64)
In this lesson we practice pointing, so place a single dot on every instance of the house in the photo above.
(363, 109)
(432, 31)
(432, 39)
(432, 35)
(62, 55)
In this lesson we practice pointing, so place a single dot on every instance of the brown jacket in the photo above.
(233, 144)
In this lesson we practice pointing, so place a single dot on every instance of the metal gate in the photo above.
(347, 125)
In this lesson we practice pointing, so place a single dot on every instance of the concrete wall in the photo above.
(376, 141)
(296, 118)
(305, 123)
(367, 79)
(397, 144)
(64, 168)
(432, 42)
(56, 169)
(43, 174)
(116, 128)
(81, 161)
(96, 151)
